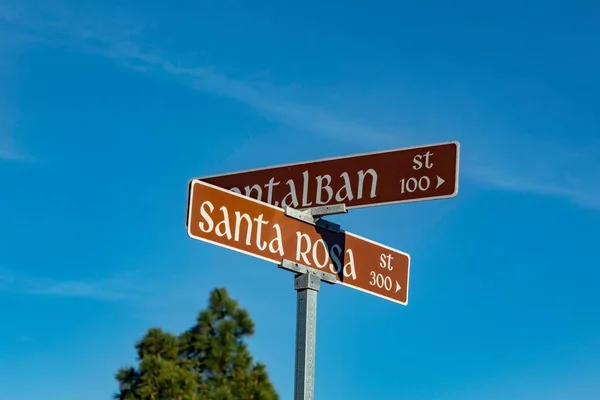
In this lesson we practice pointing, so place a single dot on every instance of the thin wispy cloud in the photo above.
(532, 166)
(494, 164)
(116, 288)
(117, 43)
(588, 197)
(263, 98)
(9, 150)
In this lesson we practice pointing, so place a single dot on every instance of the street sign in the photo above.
(388, 177)
(231, 220)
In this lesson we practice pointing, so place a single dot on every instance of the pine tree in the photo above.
(209, 361)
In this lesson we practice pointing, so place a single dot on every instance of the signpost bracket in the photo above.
(313, 215)
(300, 269)
(321, 211)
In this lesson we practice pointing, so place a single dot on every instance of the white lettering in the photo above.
(381, 281)
(419, 164)
(223, 228)
(336, 265)
(270, 187)
(257, 188)
(305, 202)
(323, 255)
(411, 184)
(405, 185)
(387, 283)
(424, 183)
(361, 180)
(277, 241)
(327, 188)
(386, 261)
(261, 244)
(315, 253)
(427, 164)
(346, 189)
(206, 215)
(299, 252)
(238, 222)
(349, 268)
(292, 194)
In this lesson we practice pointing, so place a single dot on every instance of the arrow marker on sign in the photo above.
(398, 287)
(439, 182)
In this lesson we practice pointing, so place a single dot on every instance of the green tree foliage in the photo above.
(209, 361)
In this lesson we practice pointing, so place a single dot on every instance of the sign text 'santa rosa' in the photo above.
(228, 219)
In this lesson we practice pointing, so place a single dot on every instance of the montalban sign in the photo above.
(391, 177)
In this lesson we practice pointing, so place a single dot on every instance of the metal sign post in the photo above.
(260, 223)
(307, 283)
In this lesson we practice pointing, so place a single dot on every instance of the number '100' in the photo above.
(411, 184)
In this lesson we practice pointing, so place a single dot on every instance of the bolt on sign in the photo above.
(231, 220)
(388, 177)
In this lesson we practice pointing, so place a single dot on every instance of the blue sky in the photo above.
(108, 108)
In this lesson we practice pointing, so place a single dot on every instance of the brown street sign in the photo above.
(388, 177)
(258, 229)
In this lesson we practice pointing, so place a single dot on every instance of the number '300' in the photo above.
(382, 282)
